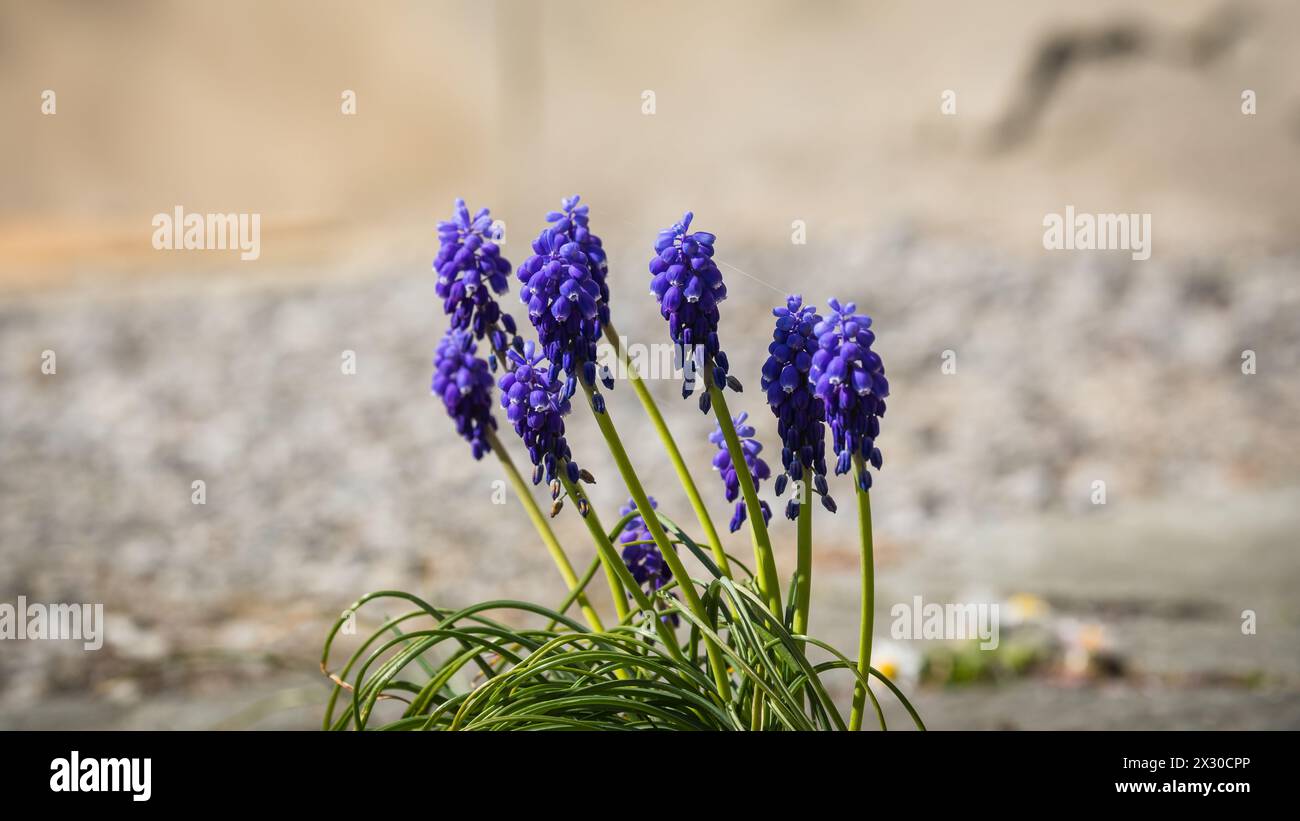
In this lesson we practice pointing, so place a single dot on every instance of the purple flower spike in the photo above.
(799, 412)
(758, 469)
(562, 287)
(642, 556)
(536, 404)
(644, 560)
(465, 384)
(850, 380)
(470, 270)
(688, 285)
(573, 222)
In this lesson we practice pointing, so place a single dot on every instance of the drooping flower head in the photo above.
(758, 469)
(850, 380)
(563, 297)
(642, 556)
(689, 286)
(470, 270)
(573, 221)
(800, 414)
(536, 404)
(465, 384)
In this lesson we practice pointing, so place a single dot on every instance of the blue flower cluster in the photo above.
(465, 384)
(563, 294)
(850, 380)
(640, 553)
(470, 269)
(574, 222)
(758, 469)
(536, 404)
(689, 286)
(642, 556)
(799, 413)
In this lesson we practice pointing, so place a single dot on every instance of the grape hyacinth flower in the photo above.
(465, 384)
(799, 412)
(573, 221)
(642, 556)
(644, 561)
(536, 404)
(688, 285)
(757, 468)
(470, 269)
(563, 298)
(850, 380)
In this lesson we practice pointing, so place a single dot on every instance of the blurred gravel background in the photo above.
(321, 485)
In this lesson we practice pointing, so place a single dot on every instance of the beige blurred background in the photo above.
(1073, 367)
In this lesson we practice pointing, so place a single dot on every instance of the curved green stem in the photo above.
(543, 529)
(803, 571)
(867, 617)
(674, 454)
(595, 565)
(620, 577)
(763, 556)
(717, 662)
(902, 699)
(604, 548)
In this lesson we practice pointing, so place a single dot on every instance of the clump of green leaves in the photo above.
(473, 669)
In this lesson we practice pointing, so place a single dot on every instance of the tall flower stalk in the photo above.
(574, 221)
(850, 380)
(562, 290)
(800, 422)
(688, 285)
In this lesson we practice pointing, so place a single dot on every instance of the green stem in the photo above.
(543, 529)
(867, 617)
(768, 583)
(803, 567)
(611, 576)
(620, 577)
(595, 565)
(803, 571)
(608, 556)
(674, 454)
(606, 424)
(916, 717)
